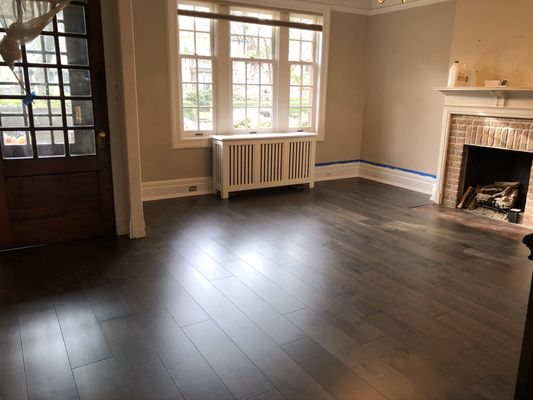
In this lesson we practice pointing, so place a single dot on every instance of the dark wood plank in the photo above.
(137, 362)
(83, 337)
(333, 375)
(275, 325)
(188, 368)
(101, 381)
(48, 372)
(237, 372)
(12, 377)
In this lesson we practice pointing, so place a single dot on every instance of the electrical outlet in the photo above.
(193, 188)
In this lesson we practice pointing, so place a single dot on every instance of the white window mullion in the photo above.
(283, 78)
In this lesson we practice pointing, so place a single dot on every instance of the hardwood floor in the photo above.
(355, 290)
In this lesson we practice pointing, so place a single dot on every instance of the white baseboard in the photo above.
(396, 177)
(336, 171)
(159, 190)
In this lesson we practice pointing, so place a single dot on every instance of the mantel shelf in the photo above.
(501, 94)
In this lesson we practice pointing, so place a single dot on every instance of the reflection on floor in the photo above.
(355, 290)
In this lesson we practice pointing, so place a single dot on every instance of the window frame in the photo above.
(222, 65)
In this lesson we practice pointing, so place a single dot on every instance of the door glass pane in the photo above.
(44, 81)
(79, 112)
(47, 113)
(73, 51)
(81, 142)
(16, 145)
(76, 82)
(50, 144)
(8, 83)
(42, 50)
(71, 20)
(13, 113)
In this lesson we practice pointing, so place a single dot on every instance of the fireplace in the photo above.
(483, 150)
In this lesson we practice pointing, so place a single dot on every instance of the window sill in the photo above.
(205, 142)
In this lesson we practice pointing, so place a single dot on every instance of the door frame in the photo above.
(122, 98)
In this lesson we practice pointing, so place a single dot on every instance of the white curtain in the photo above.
(24, 21)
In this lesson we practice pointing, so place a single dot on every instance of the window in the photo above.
(240, 69)
(55, 68)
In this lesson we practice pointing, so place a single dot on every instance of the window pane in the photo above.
(307, 97)
(294, 50)
(307, 51)
(13, 114)
(252, 115)
(239, 95)
(187, 43)
(265, 48)
(237, 46)
(203, 44)
(205, 95)
(44, 81)
(188, 70)
(305, 119)
(295, 96)
(79, 112)
(296, 75)
(307, 75)
(50, 144)
(16, 145)
(42, 50)
(252, 97)
(190, 95)
(266, 96)
(239, 72)
(76, 82)
(205, 71)
(294, 117)
(190, 119)
(206, 119)
(203, 24)
(185, 22)
(8, 83)
(47, 113)
(73, 51)
(253, 72)
(239, 118)
(71, 20)
(265, 118)
(81, 142)
(266, 74)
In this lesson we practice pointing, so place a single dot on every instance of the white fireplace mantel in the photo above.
(509, 102)
(488, 96)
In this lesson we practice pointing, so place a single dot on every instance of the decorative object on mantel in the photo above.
(494, 83)
(460, 75)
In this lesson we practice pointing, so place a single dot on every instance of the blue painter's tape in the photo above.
(410, 171)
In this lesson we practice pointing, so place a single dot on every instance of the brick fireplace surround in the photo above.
(492, 132)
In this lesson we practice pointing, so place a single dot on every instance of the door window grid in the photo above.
(252, 49)
(196, 61)
(51, 109)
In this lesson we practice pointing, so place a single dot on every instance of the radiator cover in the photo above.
(254, 161)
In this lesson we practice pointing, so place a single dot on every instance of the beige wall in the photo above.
(346, 89)
(496, 37)
(408, 55)
(344, 108)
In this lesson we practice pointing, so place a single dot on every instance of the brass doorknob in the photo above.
(101, 139)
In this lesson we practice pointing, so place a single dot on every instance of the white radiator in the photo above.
(253, 161)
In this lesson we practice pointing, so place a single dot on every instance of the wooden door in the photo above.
(55, 166)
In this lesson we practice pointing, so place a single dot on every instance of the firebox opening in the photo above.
(484, 166)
